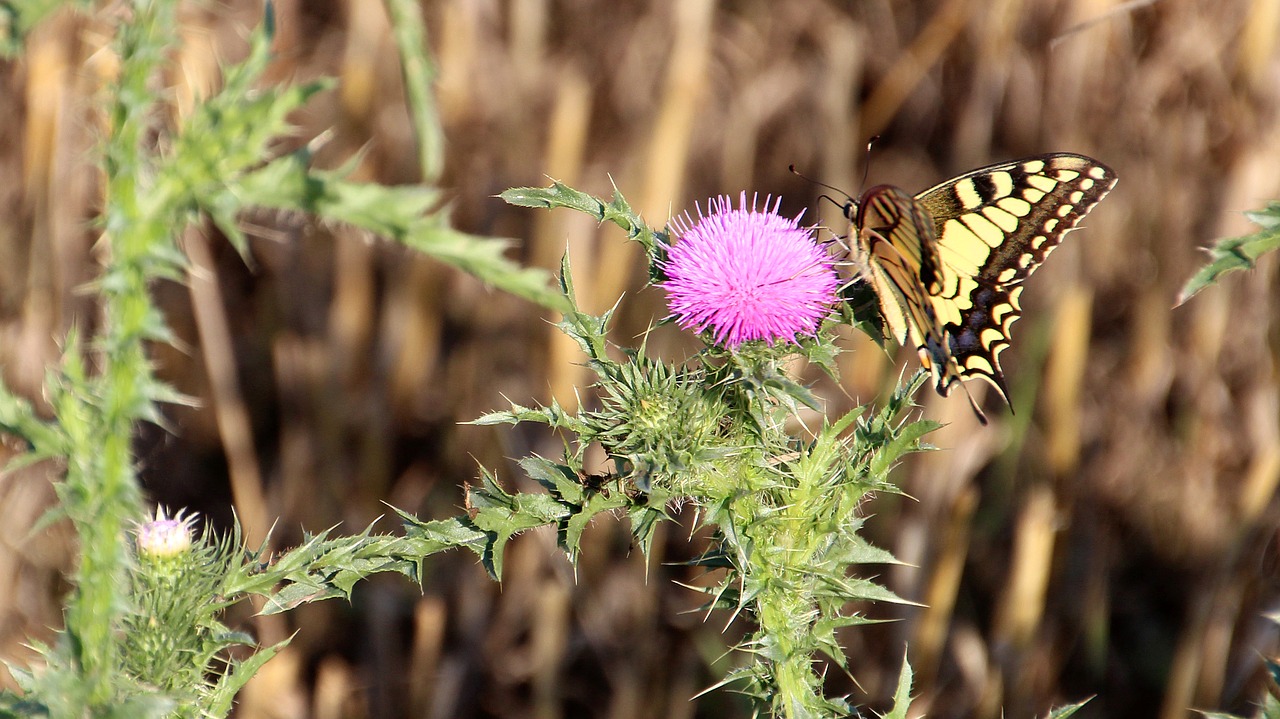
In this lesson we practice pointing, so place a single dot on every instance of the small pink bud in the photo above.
(164, 538)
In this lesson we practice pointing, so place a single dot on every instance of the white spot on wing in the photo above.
(1003, 182)
(968, 195)
(983, 228)
(1001, 218)
(1042, 183)
(1015, 205)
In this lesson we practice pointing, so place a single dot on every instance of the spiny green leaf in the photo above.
(902, 695)
(1063, 712)
(439, 535)
(850, 589)
(19, 418)
(552, 416)
(483, 257)
(1237, 253)
(587, 330)
(502, 515)
(397, 213)
(557, 478)
(616, 211)
(860, 551)
(596, 504)
(557, 195)
(230, 683)
(905, 441)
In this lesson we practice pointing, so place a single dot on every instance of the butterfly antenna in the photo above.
(819, 183)
(866, 166)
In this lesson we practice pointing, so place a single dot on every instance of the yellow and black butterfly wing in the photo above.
(896, 251)
(994, 226)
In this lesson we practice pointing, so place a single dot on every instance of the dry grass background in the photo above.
(1115, 536)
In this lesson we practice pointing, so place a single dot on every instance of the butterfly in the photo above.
(948, 265)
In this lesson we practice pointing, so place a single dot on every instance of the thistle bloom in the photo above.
(164, 538)
(747, 275)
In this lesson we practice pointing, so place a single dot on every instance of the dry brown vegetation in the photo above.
(1115, 536)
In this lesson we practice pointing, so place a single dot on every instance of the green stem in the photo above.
(419, 75)
(101, 494)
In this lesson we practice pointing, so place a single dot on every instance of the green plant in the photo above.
(144, 635)
(163, 178)
(1237, 253)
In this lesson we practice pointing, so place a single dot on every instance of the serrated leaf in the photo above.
(397, 213)
(296, 594)
(905, 441)
(229, 684)
(555, 477)
(858, 589)
(902, 695)
(785, 387)
(17, 417)
(553, 416)
(644, 520)
(557, 195)
(588, 331)
(860, 551)
(484, 258)
(502, 515)
(596, 504)
(1063, 712)
(1237, 253)
(616, 211)
(443, 534)
(21, 676)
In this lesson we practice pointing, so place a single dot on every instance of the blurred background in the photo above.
(1113, 536)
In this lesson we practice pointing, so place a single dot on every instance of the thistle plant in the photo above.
(134, 642)
(144, 632)
(711, 430)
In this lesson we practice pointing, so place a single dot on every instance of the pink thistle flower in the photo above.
(748, 275)
(162, 537)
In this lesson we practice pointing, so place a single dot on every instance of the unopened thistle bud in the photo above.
(163, 537)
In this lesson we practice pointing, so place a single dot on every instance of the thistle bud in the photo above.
(163, 537)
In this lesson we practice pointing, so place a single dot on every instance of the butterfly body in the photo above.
(947, 265)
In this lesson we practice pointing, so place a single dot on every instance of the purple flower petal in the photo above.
(748, 275)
